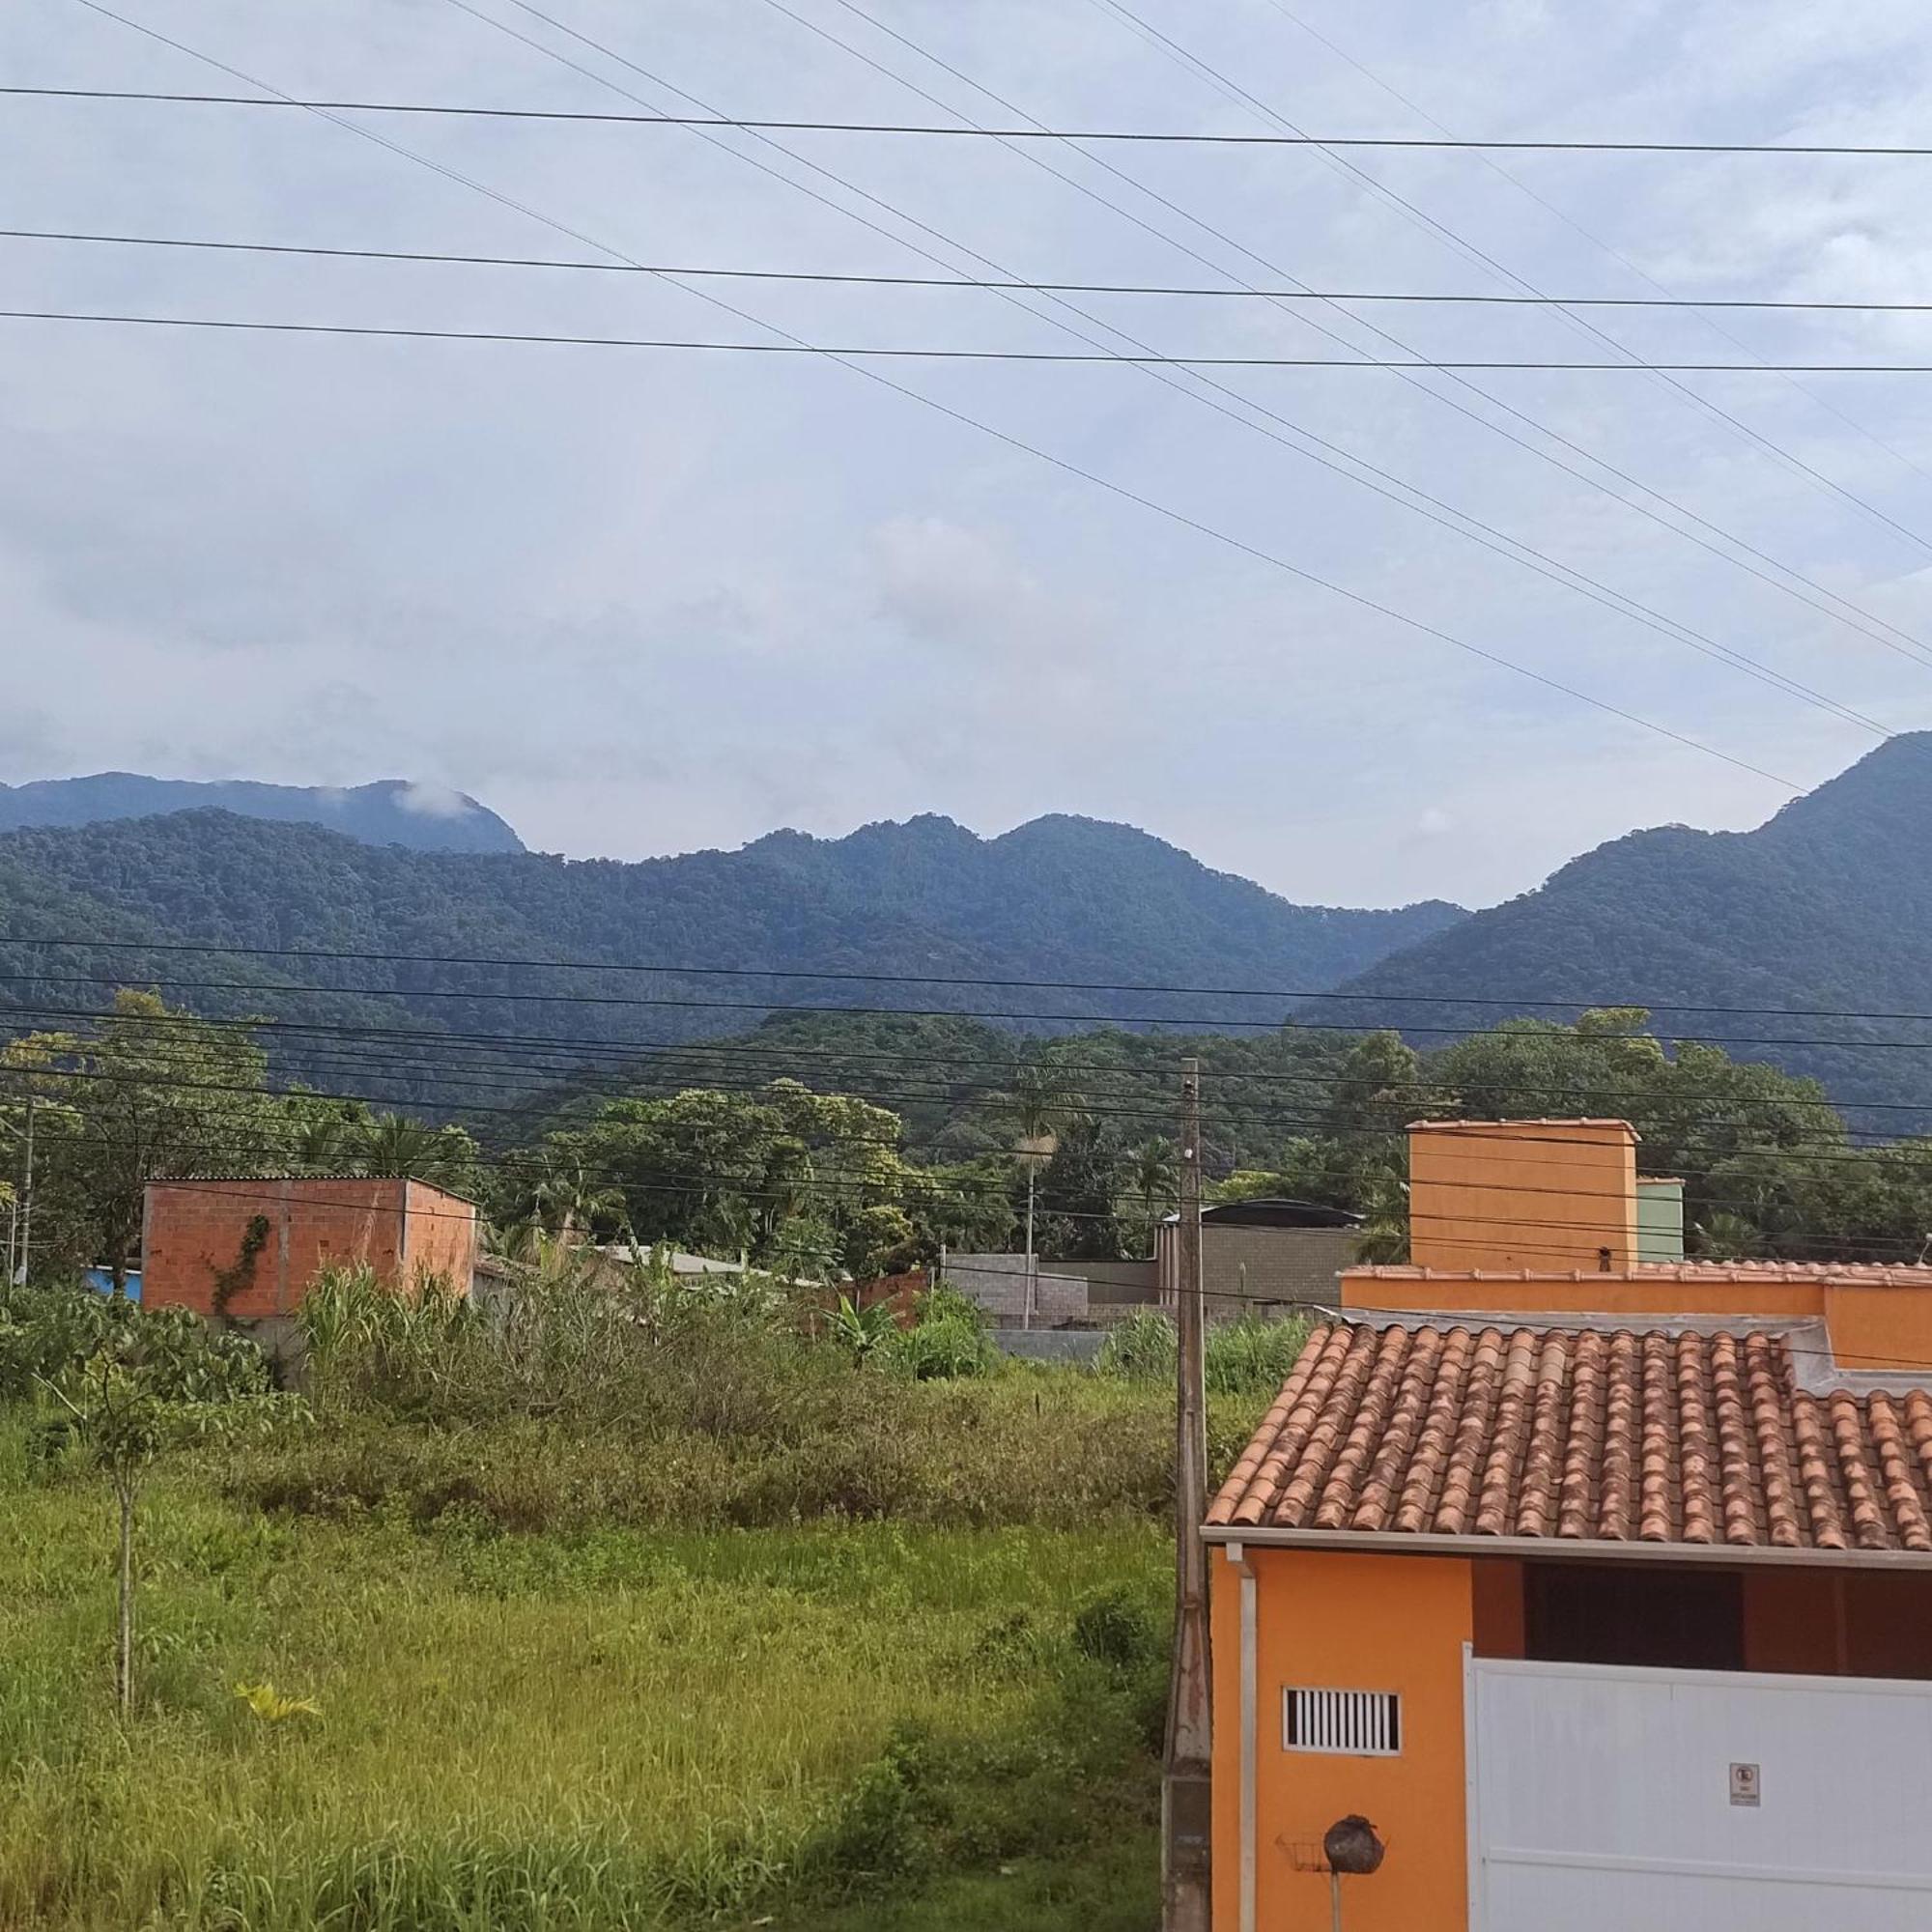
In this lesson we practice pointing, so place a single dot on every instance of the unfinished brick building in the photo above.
(249, 1247)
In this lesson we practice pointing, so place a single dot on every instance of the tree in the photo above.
(1150, 1179)
(398, 1148)
(147, 1093)
(150, 1382)
(1078, 1189)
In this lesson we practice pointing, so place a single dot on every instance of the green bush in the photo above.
(1141, 1349)
(1248, 1357)
(47, 1333)
(948, 1340)
(1118, 1628)
(1252, 1354)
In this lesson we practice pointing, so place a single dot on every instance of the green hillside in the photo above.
(1058, 899)
(1824, 911)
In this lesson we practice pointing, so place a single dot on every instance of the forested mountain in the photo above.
(1823, 912)
(1059, 900)
(392, 811)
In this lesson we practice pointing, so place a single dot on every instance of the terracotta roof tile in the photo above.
(1582, 1435)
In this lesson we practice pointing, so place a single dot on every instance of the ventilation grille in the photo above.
(1350, 1723)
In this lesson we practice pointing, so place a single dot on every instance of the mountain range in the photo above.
(391, 812)
(385, 937)
(1789, 942)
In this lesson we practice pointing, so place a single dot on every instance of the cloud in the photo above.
(637, 600)
(428, 801)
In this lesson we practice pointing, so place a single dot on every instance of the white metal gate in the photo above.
(1611, 1800)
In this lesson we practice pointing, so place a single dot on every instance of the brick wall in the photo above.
(439, 1236)
(192, 1229)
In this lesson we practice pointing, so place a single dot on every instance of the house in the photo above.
(248, 1245)
(1600, 1586)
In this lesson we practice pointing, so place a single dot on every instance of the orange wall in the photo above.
(1874, 1326)
(1593, 1294)
(1337, 1621)
(1522, 1194)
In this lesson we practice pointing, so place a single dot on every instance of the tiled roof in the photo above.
(1586, 1436)
(1522, 1120)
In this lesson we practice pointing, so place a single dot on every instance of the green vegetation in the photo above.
(635, 1606)
(1062, 898)
(617, 1728)
(1762, 938)
(1249, 1356)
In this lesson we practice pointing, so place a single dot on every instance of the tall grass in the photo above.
(1249, 1356)
(619, 1610)
(609, 1730)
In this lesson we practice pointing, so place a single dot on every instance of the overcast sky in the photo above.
(641, 601)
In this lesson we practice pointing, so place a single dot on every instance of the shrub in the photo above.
(945, 1350)
(1140, 1349)
(1118, 1628)
(948, 1340)
(1252, 1354)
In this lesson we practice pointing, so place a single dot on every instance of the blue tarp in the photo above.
(102, 1281)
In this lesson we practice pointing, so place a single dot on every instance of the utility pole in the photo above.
(26, 1221)
(1185, 1763)
(1029, 1294)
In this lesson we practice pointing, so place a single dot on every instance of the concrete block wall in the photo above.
(998, 1283)
(1260, 1270)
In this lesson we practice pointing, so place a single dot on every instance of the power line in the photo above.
(662, 1061)
(1861, 621)
(681, 969)
(1570, 221)
(1417, 214)
(1192, 383)
(1864, 622)
(904, 352)
(1203, 1023)
(1154, 136)
(1290, 293)
(1065, 464)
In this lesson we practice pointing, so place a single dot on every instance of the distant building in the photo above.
(1260, 1256)
(265, 1240)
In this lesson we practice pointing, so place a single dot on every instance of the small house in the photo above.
(247, 1246)
(1601, 1587)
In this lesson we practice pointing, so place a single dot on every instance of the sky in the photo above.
(643, 601)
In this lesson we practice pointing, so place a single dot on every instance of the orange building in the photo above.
(249, 1247)
(1601, 1588)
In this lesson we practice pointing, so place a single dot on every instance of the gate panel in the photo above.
(1603, 1799)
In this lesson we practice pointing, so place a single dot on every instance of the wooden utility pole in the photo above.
(1184, 1809)
(25, 1256)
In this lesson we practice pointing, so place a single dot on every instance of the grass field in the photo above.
(835, 1726)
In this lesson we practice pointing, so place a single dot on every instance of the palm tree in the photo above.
(566, 1199)
(1154, 1175)
(399, 1147)
(1042, 1106)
